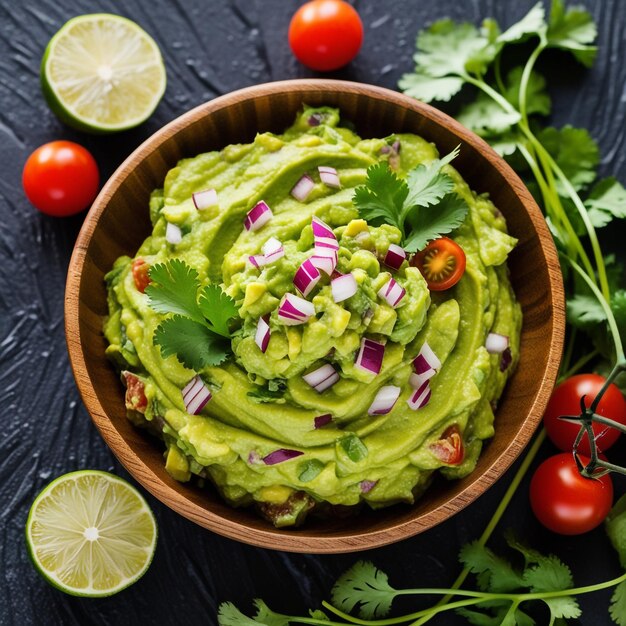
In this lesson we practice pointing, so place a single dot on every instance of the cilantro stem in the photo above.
(617, 339)
(499, 512)
(526, 73)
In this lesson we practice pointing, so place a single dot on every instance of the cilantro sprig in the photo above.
(423, 207)
(197, 331)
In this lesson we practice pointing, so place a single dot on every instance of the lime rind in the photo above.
(51, 577)
(83, 81)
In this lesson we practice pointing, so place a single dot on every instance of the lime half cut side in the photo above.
(90, 533)
(102, 73)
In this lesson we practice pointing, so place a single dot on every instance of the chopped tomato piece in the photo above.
(140, 269)
(441, 262)
(449, 449)
(135, 393)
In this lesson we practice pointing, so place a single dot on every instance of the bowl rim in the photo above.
(291, 540)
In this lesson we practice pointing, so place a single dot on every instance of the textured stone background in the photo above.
(212, 47)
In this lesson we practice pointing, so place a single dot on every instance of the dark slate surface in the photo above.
(212, 47)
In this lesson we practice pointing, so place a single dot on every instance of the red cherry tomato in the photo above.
(140, 269)
(449, 449)
(566, 502)
(565, 400)
(61, 178)
(441, 262)
(325, 34)
(135, 397)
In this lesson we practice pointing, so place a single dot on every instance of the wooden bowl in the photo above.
(118, 222)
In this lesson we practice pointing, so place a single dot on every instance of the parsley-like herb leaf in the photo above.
(198, 328)
(173, 289)
(607, 200)
(364, 585)
(195, 345)
(617, 608)
(573, 30)
(422, 207)
(230, 615)
(530, 25)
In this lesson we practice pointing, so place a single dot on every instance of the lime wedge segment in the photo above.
(102, 73)
(90, 533)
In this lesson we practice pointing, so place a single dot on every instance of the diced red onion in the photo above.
(259, 215)
(324, 259)
(195, 395)
(323, 235)
(506, 359)
(329, 176)
(262, 336)
(173, 233)
(258, 260)
(283, 454)
(417, 380)
(496, 344)
(392, 292)
(254, 457)
(322, 420)
(426, 360)
(306, 277)
(315, 119)
(322, 378)
(370, 356)
(343, 287)
(395, 257)
(385, 400)
(272, 246)
(294, 310)
(204, 199)
(420, 397)
(367, 485)
(303, 188)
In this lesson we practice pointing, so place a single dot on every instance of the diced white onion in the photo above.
(173, 233)
(496, 343)
(303, 188)
(204, 199)
(329, 176)
(385, 400)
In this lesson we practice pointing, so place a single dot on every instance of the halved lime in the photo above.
(90, 533)
(102, 73)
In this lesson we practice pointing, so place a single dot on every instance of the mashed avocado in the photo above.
(267, 437)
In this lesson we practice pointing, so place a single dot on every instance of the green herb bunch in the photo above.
(558, 165)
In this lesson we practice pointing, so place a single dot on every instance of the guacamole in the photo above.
(293, 423)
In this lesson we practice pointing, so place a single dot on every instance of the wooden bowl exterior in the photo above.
(118, 222)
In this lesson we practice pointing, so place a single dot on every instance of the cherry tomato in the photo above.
(325, 34)
(565, 400)
(141, 277)
(441, 262)
(135, 397)
(566, 502)
(449, 449)
(61, 178)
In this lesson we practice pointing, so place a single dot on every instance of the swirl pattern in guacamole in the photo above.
(267, 437)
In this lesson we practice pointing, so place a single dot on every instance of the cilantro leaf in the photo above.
(193, 343)
(537, 99)
(549, 574)
(617, 608)
(564, 606)
(500, 576)
(268, 617)
(448, 48)
(218, 308)
(427, 88)
(432, 222)
(428, 184)
(173, 289)
(382, 197)
(573, 30)
(607, 200)
(575, 152)
(365, 585)
(230, 615)
(486, 116)
(530, 25)
(584, 310)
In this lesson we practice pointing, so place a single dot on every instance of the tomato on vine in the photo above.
(565, 400)
(566, 502)
(325, 34)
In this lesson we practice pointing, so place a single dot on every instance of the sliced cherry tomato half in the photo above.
(565, 400)
(140, 269)
(566, 502)
(61, 178)
(135, 398)
(441, 262)
(325, 34)
(449, 449)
